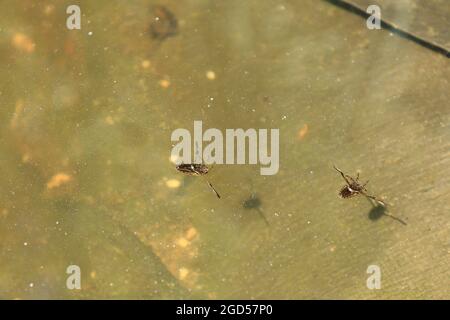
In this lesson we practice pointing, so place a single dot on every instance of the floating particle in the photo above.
(22, 42)
(109, 120)
(182, 273)
(49, 9)
(26, 157)
(191, 233)
(303, 132)
(173, 183)
(146, 64)
(210, 75)
(4, 212)
(183, 242)
(164, 83)
(57, 180)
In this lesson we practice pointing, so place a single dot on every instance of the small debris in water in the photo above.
(182, 273)
(58, 179)
(49, 9)
(173, 183)
(146, 64)
(164, 83)
(183, 242)
(191, 233)
(22, 42)
(210, 75)
(303, 132)
(109, 120)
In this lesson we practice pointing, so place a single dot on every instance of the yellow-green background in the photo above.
(84, 106)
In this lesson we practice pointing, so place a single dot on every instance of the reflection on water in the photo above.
(86, 118)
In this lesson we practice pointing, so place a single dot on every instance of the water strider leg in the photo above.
(344, 176)
(215, 191)
(385, 213)
(384, 204)
(261, 213)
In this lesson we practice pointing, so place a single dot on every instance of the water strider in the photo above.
(195, 169)
(353, 188)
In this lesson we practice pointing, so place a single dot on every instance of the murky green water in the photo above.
(86, 118)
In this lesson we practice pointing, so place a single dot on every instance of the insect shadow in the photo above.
(376, 212)
(254, 203)
(164, 24)
(379, 210)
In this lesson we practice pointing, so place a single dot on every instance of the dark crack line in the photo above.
(389, 26)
